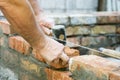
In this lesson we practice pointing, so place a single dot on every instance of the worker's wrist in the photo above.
(40, 43)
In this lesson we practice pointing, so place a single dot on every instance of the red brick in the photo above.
(5, 27)
(26, 47)
(94, 66)
(96, 61)
(71, 52)
(19, 44)
(37, 55)
(57, 75)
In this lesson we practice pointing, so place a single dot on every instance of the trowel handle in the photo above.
(59, 33)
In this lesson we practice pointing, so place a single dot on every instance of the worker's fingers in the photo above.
(48, 25)
(56, 61)
(45, 24)
(61, 61)
(47, 31)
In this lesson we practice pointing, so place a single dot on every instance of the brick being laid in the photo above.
(91, 67)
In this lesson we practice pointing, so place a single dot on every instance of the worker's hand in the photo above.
(45, 23)
(53, 54)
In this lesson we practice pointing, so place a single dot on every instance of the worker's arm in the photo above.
(36, 8)
(21, 17)
(43, 21)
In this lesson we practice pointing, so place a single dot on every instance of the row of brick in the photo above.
(96, 41)
(86, 19)
(94, 30)
(76, 30)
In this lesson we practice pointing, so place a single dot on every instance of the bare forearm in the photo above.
(21, 17)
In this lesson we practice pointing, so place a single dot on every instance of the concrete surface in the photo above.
(7, 74)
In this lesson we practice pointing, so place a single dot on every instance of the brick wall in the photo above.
(92, 30)
(17, 55)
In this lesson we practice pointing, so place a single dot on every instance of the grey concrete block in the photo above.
(60, 19)
(80, 19)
